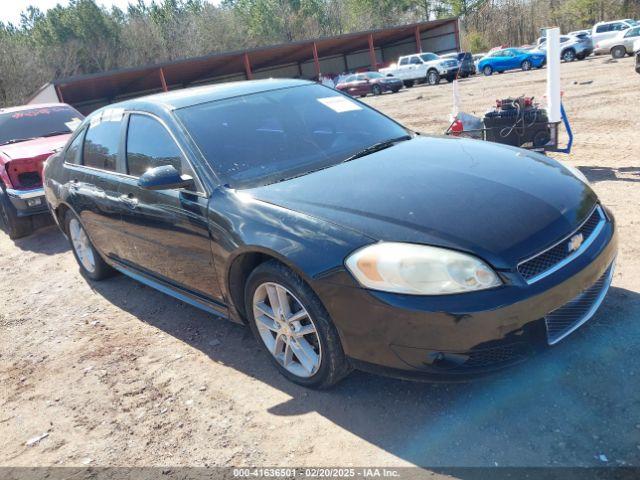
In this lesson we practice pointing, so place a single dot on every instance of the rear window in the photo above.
(37, 122)
(101, 144)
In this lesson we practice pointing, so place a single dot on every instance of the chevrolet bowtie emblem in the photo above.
(575, 242)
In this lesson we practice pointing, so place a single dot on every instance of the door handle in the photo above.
(129, 200)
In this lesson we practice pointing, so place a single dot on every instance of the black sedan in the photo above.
(342, 238)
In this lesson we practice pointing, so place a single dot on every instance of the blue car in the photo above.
(511, 59)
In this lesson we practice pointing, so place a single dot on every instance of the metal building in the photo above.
(304, 59)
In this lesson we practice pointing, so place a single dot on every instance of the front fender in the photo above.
(240, 224)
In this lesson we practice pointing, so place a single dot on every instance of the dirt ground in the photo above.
(117, 374)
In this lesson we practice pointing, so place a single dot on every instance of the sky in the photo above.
(10, 9)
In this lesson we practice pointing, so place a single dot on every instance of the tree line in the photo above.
(83, 37)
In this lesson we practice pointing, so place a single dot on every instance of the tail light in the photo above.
(26, 173)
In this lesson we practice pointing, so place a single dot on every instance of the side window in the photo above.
(72, 155)
(101, 145)
(416, 60)
(617, 27)
(603, 28)
(149, 145)
(360, 78)
(404, 61)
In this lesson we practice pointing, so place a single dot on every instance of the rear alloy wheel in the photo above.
(433, 77)
(569, 55)
(526, 65)
(91, 263)
(376, 90)
(487, 70)
(618, 51)
(291, 324)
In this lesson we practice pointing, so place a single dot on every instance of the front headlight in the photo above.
(419, 269)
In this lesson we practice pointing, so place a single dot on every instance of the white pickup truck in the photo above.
(422, 67)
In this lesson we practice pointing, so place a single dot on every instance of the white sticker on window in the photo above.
(73, 124)
(339, 104)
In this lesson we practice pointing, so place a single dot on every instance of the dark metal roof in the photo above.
(136, 80)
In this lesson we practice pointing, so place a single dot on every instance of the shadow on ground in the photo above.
(47, 240)
(603, 174)
(574, 405)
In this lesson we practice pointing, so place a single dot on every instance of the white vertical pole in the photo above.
(553, 74)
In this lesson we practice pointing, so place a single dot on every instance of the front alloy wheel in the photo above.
(569, 55)
(526, 65)
(487, 71)
(293, 327)
(433, 78)
(287, 330)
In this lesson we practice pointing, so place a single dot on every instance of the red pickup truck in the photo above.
(29, 134)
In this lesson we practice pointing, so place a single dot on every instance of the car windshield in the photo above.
(24, 125)
(266, 137)
(428, 57)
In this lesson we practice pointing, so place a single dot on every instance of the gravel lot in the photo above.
(114, 373)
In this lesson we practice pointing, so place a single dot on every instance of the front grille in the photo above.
(495, 356)
(534, 268)
(566, 319)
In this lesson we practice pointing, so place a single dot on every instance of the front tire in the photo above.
(15, 226)
(526, 65)
(569, 55)
(408, 83)
(293, 327)
(618, 52)
(487, 71)
(90, 261)
(433, 77)
(376, 90)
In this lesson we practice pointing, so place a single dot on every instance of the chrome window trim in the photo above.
(587, 242)
(587, 316)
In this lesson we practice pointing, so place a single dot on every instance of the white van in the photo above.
(602, 30)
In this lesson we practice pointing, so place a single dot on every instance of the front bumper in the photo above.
(391, 86)
(461, 335)
(449, 72)
(28, 202)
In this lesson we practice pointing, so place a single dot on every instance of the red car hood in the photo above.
(23, 161)
(32, 148)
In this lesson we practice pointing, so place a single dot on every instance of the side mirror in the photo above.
(165, 177)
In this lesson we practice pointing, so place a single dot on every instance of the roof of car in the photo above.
(208, 93)
(34, 106)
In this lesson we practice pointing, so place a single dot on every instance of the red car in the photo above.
(29, 134)
(361, 84)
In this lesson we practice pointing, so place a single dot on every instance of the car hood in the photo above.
(500, 203)
(33, 148)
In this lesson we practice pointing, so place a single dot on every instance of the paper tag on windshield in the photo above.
(73, 124)
(339, 104)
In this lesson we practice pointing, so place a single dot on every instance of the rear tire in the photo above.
(89, 259)
(322, 366)
(618, 52)
(15, 226)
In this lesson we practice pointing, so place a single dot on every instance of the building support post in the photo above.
(316, 61)
(418, 40)
(372, 54)
(163, 81)
(59, 93)
(247, 67)
(457, 34)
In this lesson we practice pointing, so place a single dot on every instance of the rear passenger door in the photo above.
(167, 230)
(92, 163)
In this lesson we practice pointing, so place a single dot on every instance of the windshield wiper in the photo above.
(59, 132)
(17, 140)
(376, 147)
